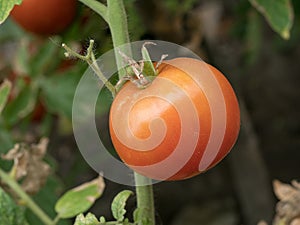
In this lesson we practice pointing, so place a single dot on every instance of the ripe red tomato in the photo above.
(44, 17)
(183, 124)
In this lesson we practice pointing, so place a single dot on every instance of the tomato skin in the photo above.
(200, 114)
(44, 17)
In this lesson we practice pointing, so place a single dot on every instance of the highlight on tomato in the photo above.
(47, 17)
(182, 124)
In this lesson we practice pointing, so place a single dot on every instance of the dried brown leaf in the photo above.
(284, 191)
(288, 208)
(296, 184)
(29, 167)
(262, 223)
(296, 221)
(20, 159)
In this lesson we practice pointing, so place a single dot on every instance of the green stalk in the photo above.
(145, 200)
(117, 21)
(98, 7)
(114, 14)
(91, 60)
(119, 30)
(28, 201)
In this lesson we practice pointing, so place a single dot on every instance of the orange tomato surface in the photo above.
(44, 17)
(183, 124)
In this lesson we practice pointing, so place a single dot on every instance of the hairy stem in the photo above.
(118, 26)
(98, 7)
(90, 59)
(145, 200)
(28, 201)
(114, 14)
(117, 21)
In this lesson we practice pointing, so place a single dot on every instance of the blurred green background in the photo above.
(231, 35)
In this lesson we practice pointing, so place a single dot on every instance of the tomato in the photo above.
(183, 124)
(44, 17)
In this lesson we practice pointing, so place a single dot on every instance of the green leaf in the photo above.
(46, 58)
(149, 69)
(90, 219)
(46, 198)
(10, 213)
(7, 143)
(10, 31)
(22, 64)
(185, 6)
(119, 203)
(279, 14)
(102, 219)
(137, 215)
(5, 88)
(59, 89)
(6, 7)
(21, 106)
(79, 199)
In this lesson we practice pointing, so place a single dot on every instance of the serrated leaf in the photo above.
(5, 7)
(79, 219)
(90, 219)
(119, 203)
(21, 106)
(79, 199)
(10, 213)
(102, 219)
(5, 88)
(137, 215)
(278, 13)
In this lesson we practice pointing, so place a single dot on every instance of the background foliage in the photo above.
(255, 42)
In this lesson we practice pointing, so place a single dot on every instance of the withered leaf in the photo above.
(296, 221)
(284, 191)
(288, 208)
(29, 167)
(262, 223)
(296, 184)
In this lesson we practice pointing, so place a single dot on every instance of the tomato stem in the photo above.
(91, 60)
(119, 30)
(23, 195)
(145, 200)
(115, 15)
(117, 21)
(98, 7)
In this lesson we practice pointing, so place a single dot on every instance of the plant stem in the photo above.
(28, 201)
(145, 200)
(114, 14)
(90, 59)
(117, 21)
(97, 6)
(56, 219)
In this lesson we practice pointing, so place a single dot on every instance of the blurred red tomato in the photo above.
(44, 17)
